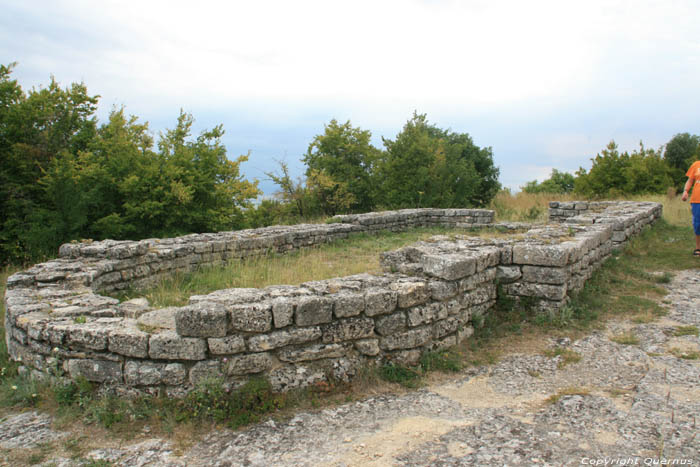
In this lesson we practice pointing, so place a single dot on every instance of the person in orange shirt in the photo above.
(693, 183)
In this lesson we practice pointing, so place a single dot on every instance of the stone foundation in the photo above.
(428, 298)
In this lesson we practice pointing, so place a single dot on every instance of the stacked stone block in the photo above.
(428, 298)
(627, 218)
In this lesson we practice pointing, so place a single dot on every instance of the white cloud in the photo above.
(559, 79)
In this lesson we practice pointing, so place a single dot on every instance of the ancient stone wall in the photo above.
(430, 296)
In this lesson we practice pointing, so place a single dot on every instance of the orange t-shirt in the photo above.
(694, 173)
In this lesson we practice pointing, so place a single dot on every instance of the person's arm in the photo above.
(686, 188)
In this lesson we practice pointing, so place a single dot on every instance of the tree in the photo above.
(428, 166)
(680, 152)
(291, 192)
(345, 156)
(35, 128)
(187, 186)
(558, 182)
(614, 173)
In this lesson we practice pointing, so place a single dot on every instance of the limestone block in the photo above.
(540, 255)
(99, 371)
(347, 304)
(529, 289)
(545, 275)
(226, 345)
(411, 293)
(314, 352)
(142, 373)
(205, 369)
(128, 340)
(405, 357)
(380, 301)
(348, 329)
(449, 266)
(369, 347)
(477, 280)
(441, 290)
(478, 296)
(173, 374)
(291, 377)
(406, 340)
(163, 318)
(250, 363)
(447, 326)
(313, 310)
(202, 319)
(282, 338)
(251, 317)
(426, 314)
(168, 345)
(508, 274)
(282, 312)
(391, 324)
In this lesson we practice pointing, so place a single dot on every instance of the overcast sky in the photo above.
(546, 84)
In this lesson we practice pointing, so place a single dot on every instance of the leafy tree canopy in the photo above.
(427, 166)
(558, 182)
(343, 156)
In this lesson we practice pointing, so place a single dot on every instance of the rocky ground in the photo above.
(620, 404)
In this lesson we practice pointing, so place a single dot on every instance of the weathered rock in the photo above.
(163, 318)
(202, 319)
(292, 377)
(368, 347)
(508, 274)
(245, 364)
(282, 312)
(391, 324)
(347, 304)
(226, 345)
(406, 340)
(449, 267)
(282, 338)
(426, 314)
(204, 370)
(251, 317)
(380, 301)
(348, 329)
(128, 340)
(313, 352)
(313, 310)
(545, 275)
(99, 371)
(540, 255)
(411, 293)
(168, 345)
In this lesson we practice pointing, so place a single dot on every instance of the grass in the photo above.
(684, 354)
(626, 285)
(570, 391)
(567, 355)
(357, 254)
(625, 339)
(685, 331)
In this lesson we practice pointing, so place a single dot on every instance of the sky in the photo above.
(545, 84)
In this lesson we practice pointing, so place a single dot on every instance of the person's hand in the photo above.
(685, 196)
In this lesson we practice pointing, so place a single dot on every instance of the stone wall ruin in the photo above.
(429, 297)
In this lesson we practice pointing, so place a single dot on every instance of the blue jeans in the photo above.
(696, 217)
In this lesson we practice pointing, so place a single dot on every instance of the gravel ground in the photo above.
(620, 404)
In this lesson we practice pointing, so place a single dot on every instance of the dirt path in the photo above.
(636, 404)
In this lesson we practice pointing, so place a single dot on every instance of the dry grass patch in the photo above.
(685, 331)
(569, 391)
(567, 355)
(357, 254)
(627, 338)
